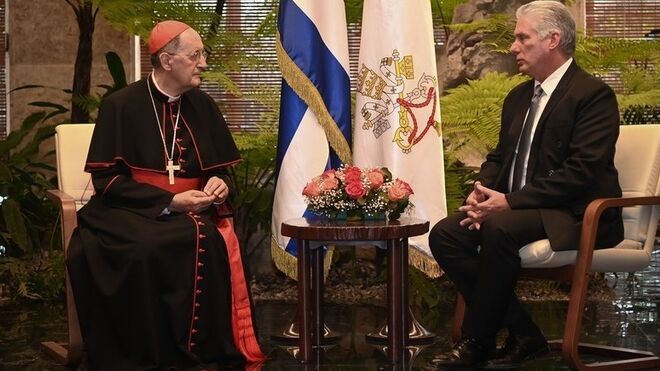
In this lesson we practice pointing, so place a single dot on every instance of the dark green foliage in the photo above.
(444, 9)
(353, 11)
(253, 188)
(641, 115)
(28, 222)
(470, 126)
(640, 108)
(422, 289)
(31, 262)
(37, 276)
(497, 30)
(458, 182)
(91, 103)
(471, 114)
(231, 48)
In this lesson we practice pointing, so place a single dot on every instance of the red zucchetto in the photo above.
(163, 33)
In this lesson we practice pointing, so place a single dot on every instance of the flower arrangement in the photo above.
(359, 193)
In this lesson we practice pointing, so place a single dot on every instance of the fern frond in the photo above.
(471, 114)
(645, 98)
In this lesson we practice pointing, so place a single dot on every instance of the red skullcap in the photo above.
(163, 33)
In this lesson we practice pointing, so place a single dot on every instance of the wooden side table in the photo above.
(312, 234)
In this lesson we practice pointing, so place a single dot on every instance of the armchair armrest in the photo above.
(591, 220)
(68, 210)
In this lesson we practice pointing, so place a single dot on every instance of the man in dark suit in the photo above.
(555, 154)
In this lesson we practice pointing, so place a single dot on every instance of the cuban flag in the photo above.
(397, 110)
(315, 109)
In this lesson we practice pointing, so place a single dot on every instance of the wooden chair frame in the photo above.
(72, 143)
(578, 275)
(71, 352)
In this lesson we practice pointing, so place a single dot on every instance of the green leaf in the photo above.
(16, 136)
(40, 165)
(32, 86)
(387, 174)
(426, 293)
(32, 147)
(116, 68)
(11, 211)
(56, 106)
(5, 173)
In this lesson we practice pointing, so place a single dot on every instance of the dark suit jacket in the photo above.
(571, 160)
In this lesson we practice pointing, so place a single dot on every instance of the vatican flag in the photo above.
(397, 112)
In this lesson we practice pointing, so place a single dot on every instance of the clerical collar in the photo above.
(170, 98)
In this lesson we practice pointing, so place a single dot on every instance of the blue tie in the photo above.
(525, 141)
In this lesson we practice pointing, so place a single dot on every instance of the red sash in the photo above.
(163, 182)
(245, 338)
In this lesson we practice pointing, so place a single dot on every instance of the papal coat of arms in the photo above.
(416, 108)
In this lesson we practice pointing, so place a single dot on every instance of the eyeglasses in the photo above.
(196, 55)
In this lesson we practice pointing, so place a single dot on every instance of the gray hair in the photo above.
(171, 47)
(552, 16)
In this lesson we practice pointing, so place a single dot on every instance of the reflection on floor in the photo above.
(630, 321)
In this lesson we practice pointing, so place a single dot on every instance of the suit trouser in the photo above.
(484, 265)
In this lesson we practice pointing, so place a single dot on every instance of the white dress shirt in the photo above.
(548, 86)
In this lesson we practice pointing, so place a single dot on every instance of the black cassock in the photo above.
(154, 289)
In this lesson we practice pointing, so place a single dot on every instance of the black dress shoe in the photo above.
(518, 349)
(467, 353)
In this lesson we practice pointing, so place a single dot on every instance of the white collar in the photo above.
(550, 84)
(170, 98)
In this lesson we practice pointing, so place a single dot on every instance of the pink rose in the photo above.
(329, 183)
(352, 174)
(312, 189)
(376, 177)
(399, 190)
(329, 173)
(355, 190)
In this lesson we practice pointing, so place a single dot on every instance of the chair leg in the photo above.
(71, 353)
(75, 336)
(626, 359)
(459, 314)
(67, 354)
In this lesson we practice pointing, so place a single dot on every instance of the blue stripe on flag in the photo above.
(302, 42)
(292, 109)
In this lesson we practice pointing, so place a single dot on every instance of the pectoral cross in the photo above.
(170, 169)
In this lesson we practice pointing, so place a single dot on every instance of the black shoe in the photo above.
(466, 353)
(518, 349)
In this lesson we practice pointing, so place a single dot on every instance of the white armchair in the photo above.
(75, 189)
(638, 162)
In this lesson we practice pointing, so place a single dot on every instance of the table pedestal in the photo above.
(291, 335)
(311, 235)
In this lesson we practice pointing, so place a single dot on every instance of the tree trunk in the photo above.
(82, 74)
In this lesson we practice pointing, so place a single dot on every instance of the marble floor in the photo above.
(628, 321)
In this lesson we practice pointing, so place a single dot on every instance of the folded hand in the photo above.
(191, 201)
(217, 188)
(481, 203)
